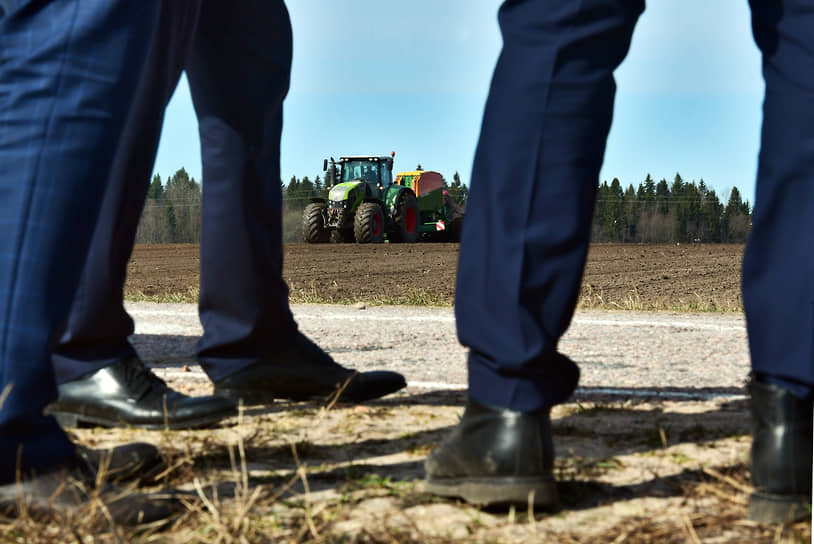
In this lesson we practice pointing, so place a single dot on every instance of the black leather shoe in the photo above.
(126, 393)
(781, 454)
(138, 462)
(302, 371)
(496, 457)
(70, 489)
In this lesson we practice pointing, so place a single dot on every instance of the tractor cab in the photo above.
(376, 173)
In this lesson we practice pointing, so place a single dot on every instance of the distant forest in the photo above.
(653, 212)
(662, 212)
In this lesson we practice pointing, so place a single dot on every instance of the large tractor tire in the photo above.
(313, 224)
(368, 225)
(339, 236)
(406, 218)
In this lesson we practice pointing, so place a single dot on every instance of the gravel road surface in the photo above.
(620, 353)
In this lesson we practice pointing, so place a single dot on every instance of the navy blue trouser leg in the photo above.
(532, 194)
(67, 74)
(238, 87)
(778, 266)
(98, 325)
(238, 74)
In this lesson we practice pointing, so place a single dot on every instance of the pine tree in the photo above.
(663, 197)
(631, 214)
(156, 190)
(649, 188)
(185, 195)
(306, 191)
(458, 191)
(292, 193)
(712, 213)
(171, 222)
(737, 220)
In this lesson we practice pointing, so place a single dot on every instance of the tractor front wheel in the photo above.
(406, 218)
(368, 225)
(313, 224)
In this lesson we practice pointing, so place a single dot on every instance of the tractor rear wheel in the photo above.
(368, 225)
(313, 224)
(406, 218)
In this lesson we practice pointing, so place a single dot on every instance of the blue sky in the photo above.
(371, 77)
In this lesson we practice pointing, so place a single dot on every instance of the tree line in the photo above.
(654, 212)
(662, 212)
(172, 211)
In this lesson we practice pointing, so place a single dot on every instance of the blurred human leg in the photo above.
(67, 74)
(101, 380)
(239, 75)
(778, 266)
(525, 240)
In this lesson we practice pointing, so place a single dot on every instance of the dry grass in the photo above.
(187, 295)
(300, 472)
(588, 300)
(591, 299)
(412, 297)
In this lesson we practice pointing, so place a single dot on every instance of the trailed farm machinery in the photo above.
(441, 216)
(366, 205)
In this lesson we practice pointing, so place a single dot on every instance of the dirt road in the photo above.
(622, 354)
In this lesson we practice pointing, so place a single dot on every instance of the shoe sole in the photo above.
(765, 508)
(499, 491)
(257, 398)
(71, 420)
(248, 398)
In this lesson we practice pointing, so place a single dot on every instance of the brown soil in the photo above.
(626, 276)
(665, 276)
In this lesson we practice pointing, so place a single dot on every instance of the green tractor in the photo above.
(363, 204)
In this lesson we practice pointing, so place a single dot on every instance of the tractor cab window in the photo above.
(351, 171)
(385, 174)
(369, 173)
(364, 170)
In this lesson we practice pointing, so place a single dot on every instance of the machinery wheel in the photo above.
(341, 236)
(406, 218)
(313, 224)
(368, 225)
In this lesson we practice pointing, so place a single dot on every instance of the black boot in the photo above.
(781, 454)
(127, 393)
(303, 371)
(74, 489)
(137, 462)
(496, 456)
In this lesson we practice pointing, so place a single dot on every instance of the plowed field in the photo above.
(617, 276)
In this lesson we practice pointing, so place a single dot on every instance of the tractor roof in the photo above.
(365, 158)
